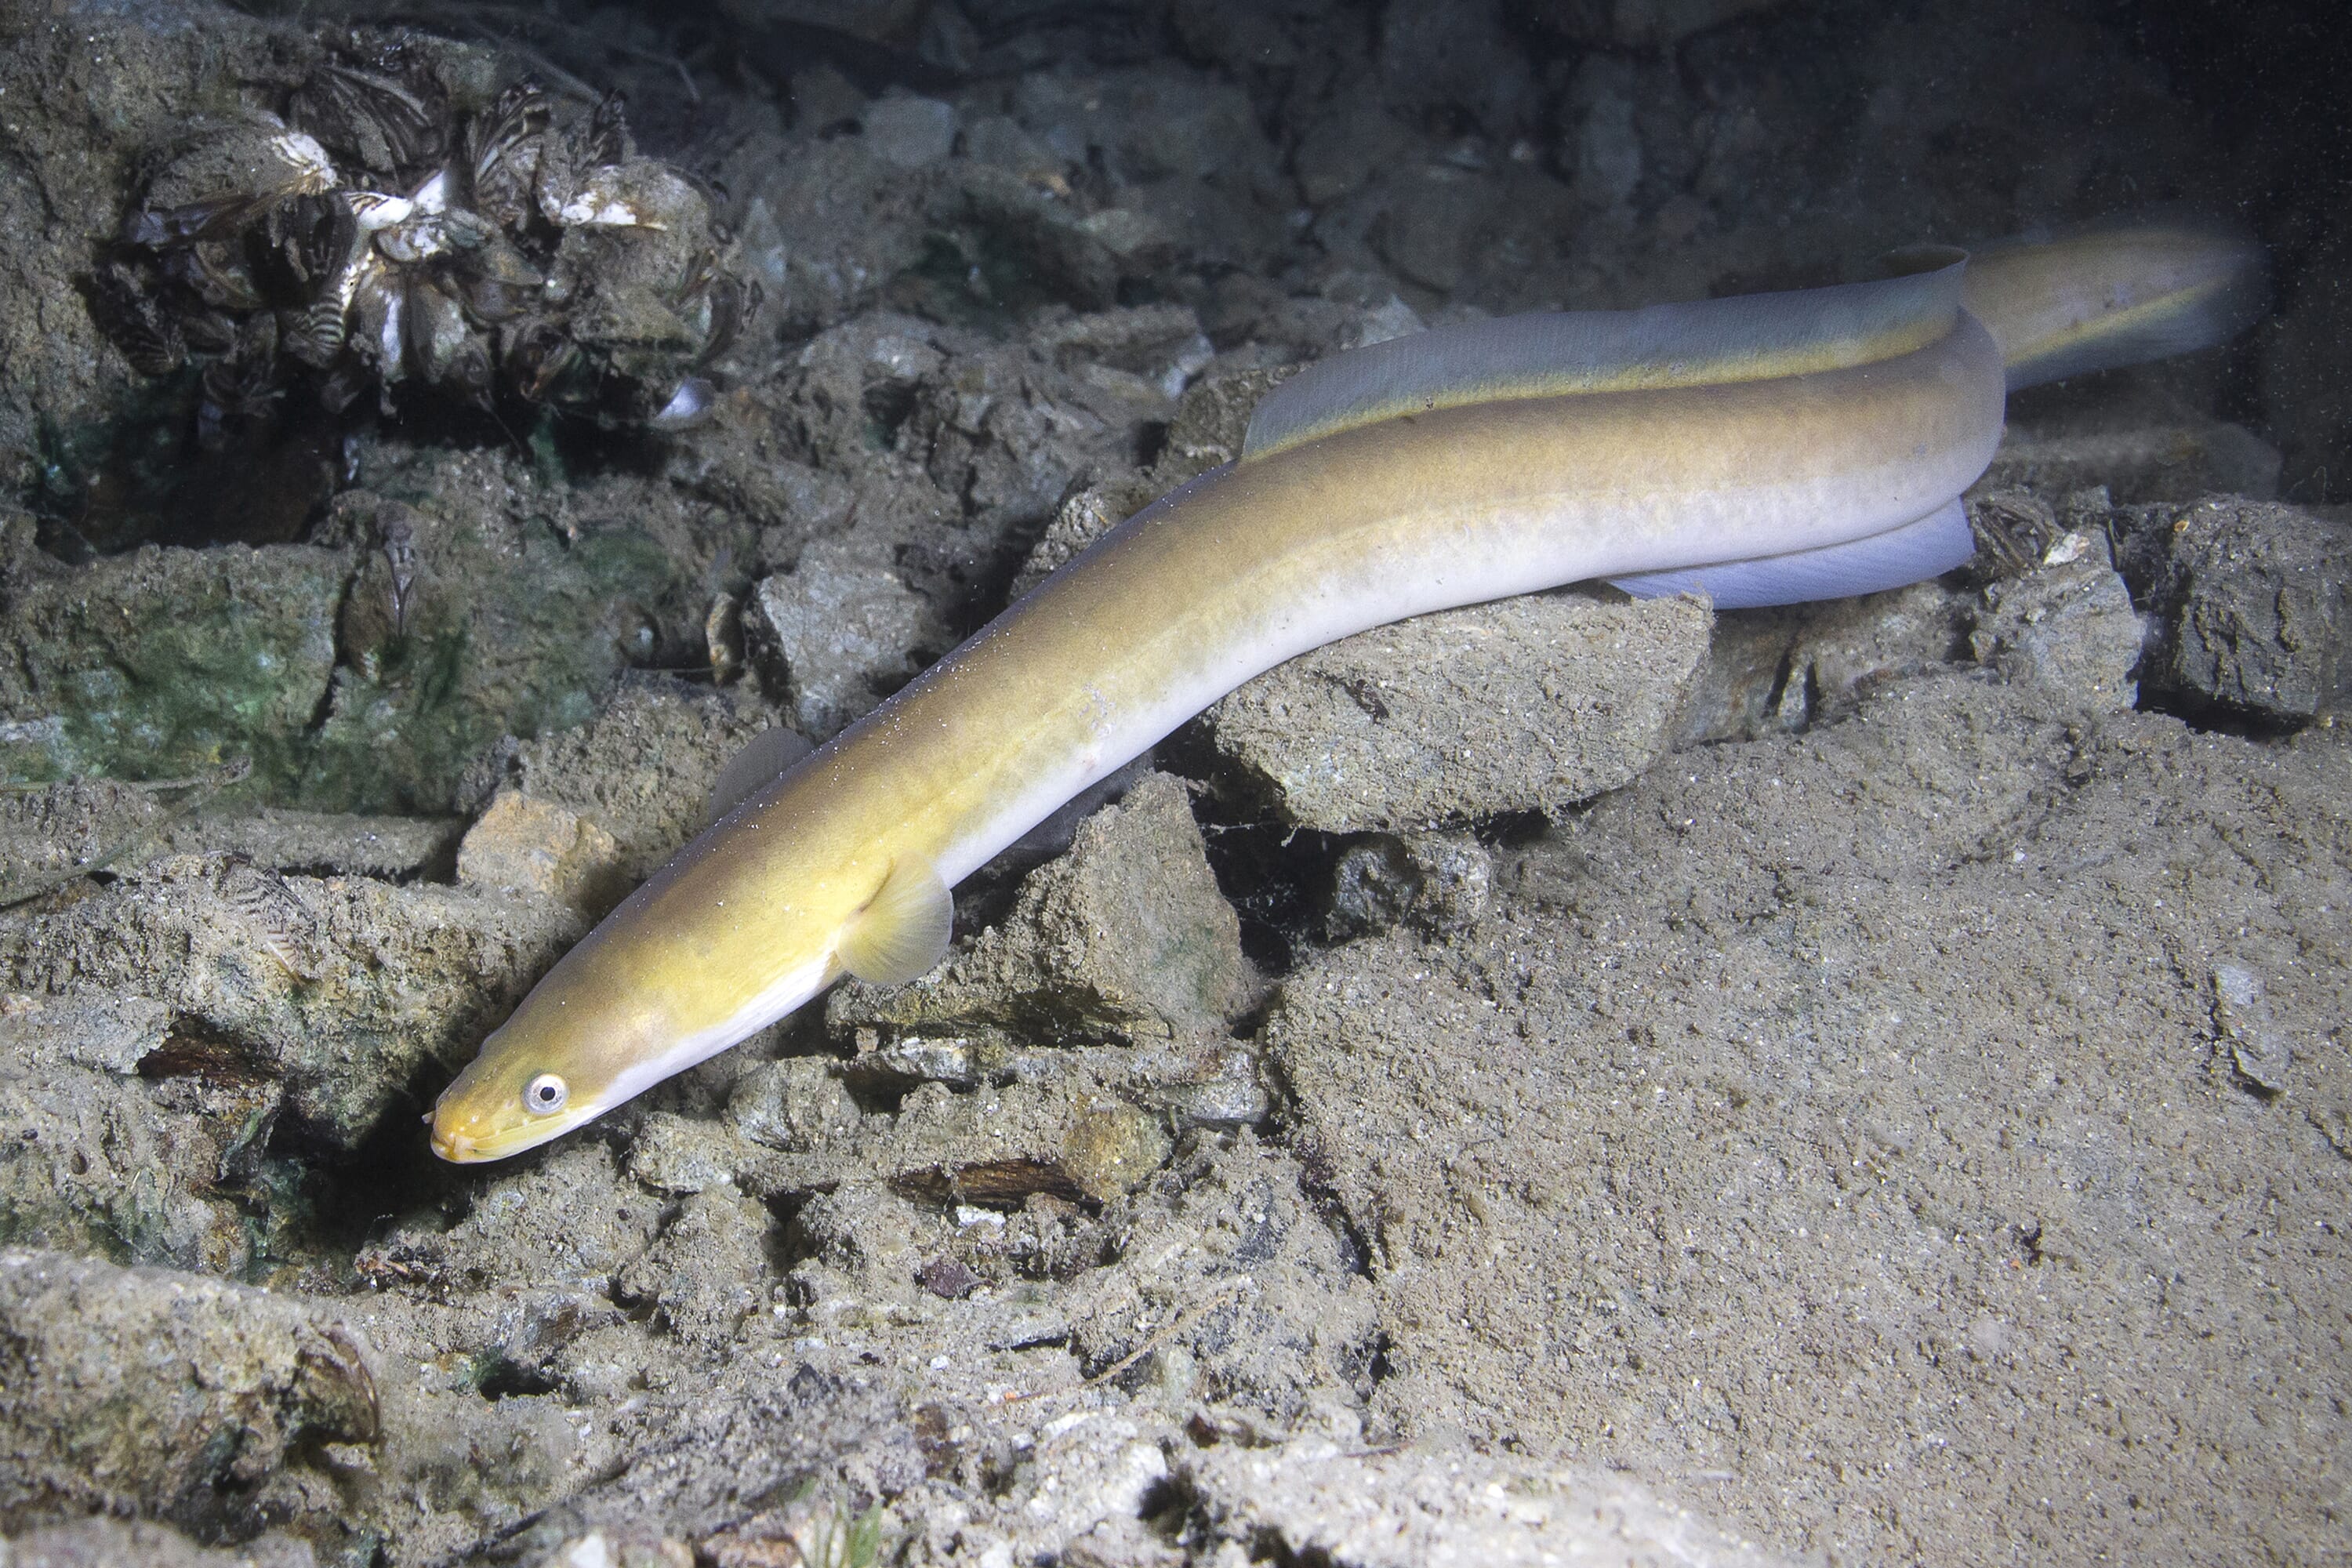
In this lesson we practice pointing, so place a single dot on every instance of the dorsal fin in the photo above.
(903, 930)
(761, 762)
(1703, 343)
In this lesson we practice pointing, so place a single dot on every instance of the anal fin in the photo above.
(904, 929)
(1924, 548)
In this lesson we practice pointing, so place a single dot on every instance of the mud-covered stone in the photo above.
(167, 1396)
(49, 836)
(572, 1218)
(1997, 889)
(1526, 704)
(340, 990)
(1231, 1288)
(1383, 1511)
(155, 1168)
(708, 1269)
(643, 770)
(109, 1542)
(1781, 669)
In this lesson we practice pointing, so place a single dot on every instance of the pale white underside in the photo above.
(785, 993)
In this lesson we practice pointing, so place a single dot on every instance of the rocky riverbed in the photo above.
(1565, 1080)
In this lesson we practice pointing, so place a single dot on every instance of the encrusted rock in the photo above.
(1526, 704)
(2069, 628)
(1112, 1146)
(166, 663)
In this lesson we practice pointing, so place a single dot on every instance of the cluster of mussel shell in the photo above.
(405, 222)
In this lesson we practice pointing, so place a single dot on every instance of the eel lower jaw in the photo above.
(454, 1147)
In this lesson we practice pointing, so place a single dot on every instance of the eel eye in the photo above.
(545, 1094)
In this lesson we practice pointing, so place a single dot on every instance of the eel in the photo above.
(1762, 449)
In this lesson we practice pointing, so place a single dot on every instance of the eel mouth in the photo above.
(456, 1147)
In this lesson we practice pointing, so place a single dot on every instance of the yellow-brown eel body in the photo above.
(1765, 449)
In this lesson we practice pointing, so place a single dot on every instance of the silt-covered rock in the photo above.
(1526, 704)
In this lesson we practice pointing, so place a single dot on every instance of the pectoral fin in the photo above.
(904, 931)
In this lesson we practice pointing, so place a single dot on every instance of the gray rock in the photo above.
(827, 226)
(1437, 881)
(2254, 601)
(1528, 704)
(643, 768)
(1440, 55)
(1603, 152)
(1340, 153)
(1322, 1500)
(1233, 1288)
(909, 132)
(794, 1104)
(2262, 1051)
(835, 636)
(50, 836)
(1207, 431)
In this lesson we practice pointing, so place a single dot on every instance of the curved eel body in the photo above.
(1764, 448)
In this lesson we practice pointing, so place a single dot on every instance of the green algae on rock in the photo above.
(164, 663)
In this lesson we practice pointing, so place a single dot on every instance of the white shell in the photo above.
(307, 164)
(376, 211)
(689, 404)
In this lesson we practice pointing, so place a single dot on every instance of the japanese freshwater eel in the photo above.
(1764, 450)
